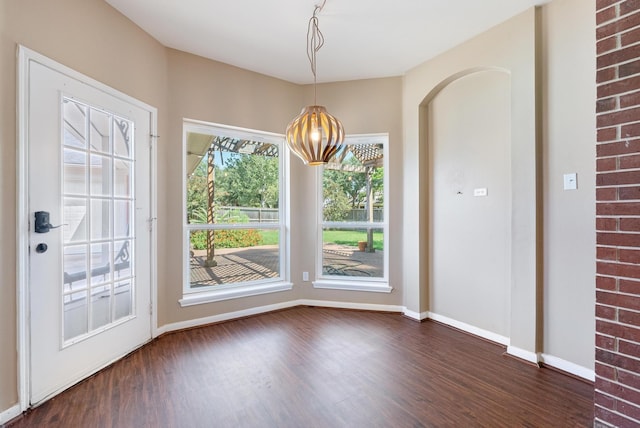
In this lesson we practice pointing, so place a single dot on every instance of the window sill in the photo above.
(232, 293)
(382, 287)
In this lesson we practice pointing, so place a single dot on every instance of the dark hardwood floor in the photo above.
(316, 367)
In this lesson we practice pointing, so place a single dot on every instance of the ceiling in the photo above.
(363, 39)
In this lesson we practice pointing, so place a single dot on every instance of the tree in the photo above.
(336, 206)
(249, 181)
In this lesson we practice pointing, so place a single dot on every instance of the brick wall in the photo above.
(617, 396)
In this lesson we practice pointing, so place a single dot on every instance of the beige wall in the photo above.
(569, 142)
(469, 138)
(552, 290)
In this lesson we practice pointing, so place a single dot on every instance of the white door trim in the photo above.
(24, 57)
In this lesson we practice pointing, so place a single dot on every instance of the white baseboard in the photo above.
(275, 307)
(569, 367)
(10, 413)
(418, 316)
(523, 354)
(476, 331)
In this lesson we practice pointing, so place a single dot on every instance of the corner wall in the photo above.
(551, 66)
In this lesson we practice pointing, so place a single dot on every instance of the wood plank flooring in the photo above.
(317, 367)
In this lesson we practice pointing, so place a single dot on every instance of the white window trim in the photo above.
(361, 283)
(192, 296)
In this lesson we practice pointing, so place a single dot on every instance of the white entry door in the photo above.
(89, 203)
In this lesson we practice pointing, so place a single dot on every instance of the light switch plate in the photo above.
(571, 181)
(480, 192)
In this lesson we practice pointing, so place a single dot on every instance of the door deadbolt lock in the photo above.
(41, 248)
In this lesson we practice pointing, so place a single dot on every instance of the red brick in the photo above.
(606, 283)
(617, 178)
(605, 342)
(602, 4)
(630, 37)
(607, 253)
(618, 148)
(606, 45)
(618, 300)
(606, 372)
(630, 131)
(606, 75)
(612, 419)
(604, 400)
(606, 164)
(617, 208)
(629, 287)
(631, 349)
(606, 104)
(618, 26)
(606, 15)
(608, 134)
(629, 256)
(629, 6)
(630, 68)
(619, 361)
(631, 318)
(629, 100)
(618, 117)
(629, 410)
(629, 379)
(629, 193)
(606, 194)
(630, 224)
(618, 87)
(606, 312)
(629, 162)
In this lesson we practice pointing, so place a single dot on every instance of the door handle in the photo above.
(42, 224)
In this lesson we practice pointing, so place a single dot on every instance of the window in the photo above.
(353, 226)
(235, 234)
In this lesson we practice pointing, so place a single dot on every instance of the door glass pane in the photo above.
(100, 175)
(75, 314)
(100, 219)
(100, 306)
(100, 263)
(75, 262)
(122, 219)
(99, 131)
(98, 212)
(74, 124)
(75, 220)
(123, 178)
(122, 138)
(122, 298)
(75, 168)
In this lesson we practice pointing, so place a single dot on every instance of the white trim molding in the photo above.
(476, 331)
(416, 316)
(228, 316)
(9, 414)
(523, 354)
(374, 287)
(568, 367)
(233, 293)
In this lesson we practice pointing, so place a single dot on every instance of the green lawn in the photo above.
(341, 237)
(351, 238)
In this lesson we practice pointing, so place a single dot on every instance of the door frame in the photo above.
(23, 220)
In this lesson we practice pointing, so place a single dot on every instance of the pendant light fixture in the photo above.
(314, 135)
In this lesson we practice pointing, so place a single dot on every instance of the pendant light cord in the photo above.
(315, 40)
